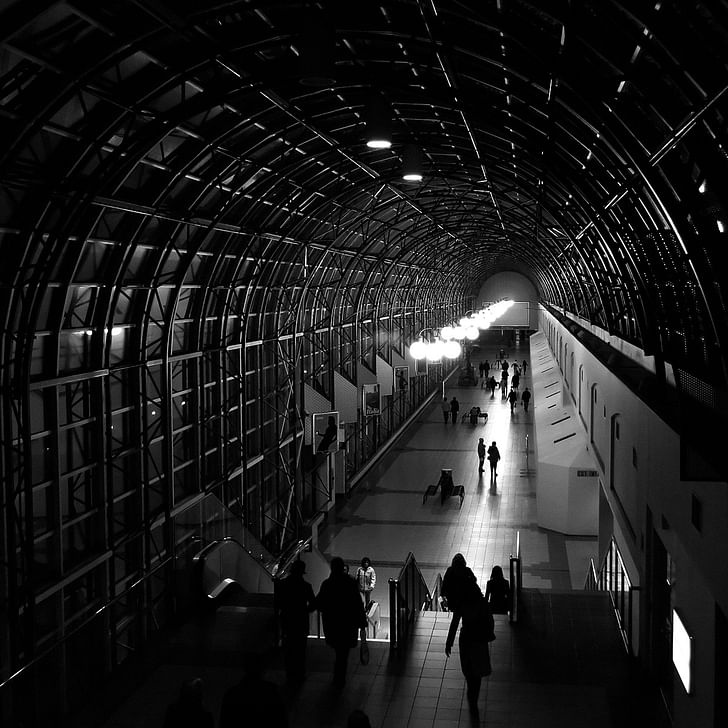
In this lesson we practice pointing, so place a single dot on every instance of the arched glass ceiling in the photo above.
(581, 144)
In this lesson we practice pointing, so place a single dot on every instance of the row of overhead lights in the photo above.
(378, 119)
(447, 343)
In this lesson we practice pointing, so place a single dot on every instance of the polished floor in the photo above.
(562, 665)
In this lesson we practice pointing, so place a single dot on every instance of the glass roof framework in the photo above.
(192, 225)
(553, 142)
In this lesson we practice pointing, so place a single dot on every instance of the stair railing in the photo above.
(408, 596)
(516, 581)
(612, 577)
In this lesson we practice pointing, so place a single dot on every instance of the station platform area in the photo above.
(562, 664)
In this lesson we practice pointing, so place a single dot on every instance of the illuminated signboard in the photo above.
(682, 651)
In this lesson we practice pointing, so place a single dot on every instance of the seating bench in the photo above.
(430, 490)
(457, 491)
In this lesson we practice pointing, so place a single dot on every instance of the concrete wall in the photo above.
(639, 466)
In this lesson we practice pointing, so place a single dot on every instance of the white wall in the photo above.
(641, 470)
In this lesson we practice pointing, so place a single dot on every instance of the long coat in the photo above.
(342, 610)
(294, 600)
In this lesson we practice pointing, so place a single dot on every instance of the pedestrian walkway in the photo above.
(385, 518)
(563, 665)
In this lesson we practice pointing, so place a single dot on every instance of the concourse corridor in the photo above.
(562, 665)
(385, 519)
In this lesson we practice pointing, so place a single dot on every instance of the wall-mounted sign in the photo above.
(372, 400)
(587, 473)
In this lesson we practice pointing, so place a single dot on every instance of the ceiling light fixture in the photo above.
(378, 118)
(412, 163)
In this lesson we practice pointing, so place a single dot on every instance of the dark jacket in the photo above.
(342, 610)
(458, 580)
(493, 454)
(294, 601)
(497, 594)
(478, 626)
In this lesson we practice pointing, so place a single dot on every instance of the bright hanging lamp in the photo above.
(378, 119)
(412, 163)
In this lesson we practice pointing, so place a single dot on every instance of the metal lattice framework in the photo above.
(193, 231)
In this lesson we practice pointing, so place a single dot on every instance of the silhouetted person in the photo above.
(254, 701)
(481, 455)
(294, 602)
(458, 577)
(366, 580)
(526, 398)
(445, 409)
(492, 384)
(515, 380)
(187, 710)
(342, 615)
(498, 592)
(475, 634)
(513, 399)
(328, 436)
(493, 458)
(454, 409)
(525, 367)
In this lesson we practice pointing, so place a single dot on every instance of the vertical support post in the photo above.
(393, 613)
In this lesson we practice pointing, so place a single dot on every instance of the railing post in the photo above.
(393, 613)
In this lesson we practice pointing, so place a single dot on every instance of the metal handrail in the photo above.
(591, 583)
(612, 577)
(516, 579)
(435, 604)
(85, 623)
(408, 596)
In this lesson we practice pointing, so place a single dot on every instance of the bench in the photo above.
(430, 490)
(456, 491)
(459, 491)
(482, 416)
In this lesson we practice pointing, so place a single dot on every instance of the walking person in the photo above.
(476, 633)
(513, 399)
(342, 615)
(481, 455)
(454, 409)
(445, 408)
(295, 600)
(498, 592)
(366, 579)
(458, 576)
(526, 398)
(525, 367)
(504, 385)
(515, 380)
(492, 384)
(486, 368)
(493, 458)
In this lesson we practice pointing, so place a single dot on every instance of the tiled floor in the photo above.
(563, 665)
